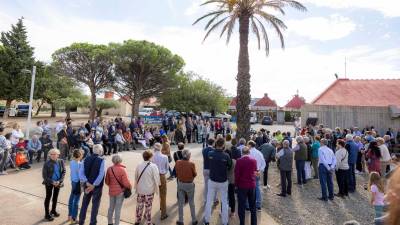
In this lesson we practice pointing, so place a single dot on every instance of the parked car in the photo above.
(156, 113)
(267, 120)
(22, 110)
(145, 111)
(2, 110)
(253, 118)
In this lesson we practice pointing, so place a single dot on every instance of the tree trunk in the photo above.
(92, 104)
(7, 109)
(243, 79)
(99, 112)
(53, 110)
(68, 112)
(39, 108)
(135, 106)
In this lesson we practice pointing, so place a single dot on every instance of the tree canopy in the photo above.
(16, 56)
(88, 64)
(143, 69)
(50, 86)
(102, 104)
(193, 93)
(74, 99)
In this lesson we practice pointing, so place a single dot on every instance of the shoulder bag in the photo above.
(127, 191)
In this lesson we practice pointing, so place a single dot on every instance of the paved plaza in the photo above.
(22, 196)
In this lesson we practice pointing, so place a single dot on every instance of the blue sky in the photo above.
(366, 32)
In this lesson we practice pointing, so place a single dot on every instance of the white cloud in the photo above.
(279, 75)
(321, 28)
(389, 8)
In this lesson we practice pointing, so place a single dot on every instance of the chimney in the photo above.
(108, 95)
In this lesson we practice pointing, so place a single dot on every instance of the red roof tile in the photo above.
(296, 103)
(233, 102)
(361, 93)
(266, 102)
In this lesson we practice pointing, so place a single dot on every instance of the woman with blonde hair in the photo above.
(53, 174)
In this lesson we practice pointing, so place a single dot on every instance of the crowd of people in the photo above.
(235, 171)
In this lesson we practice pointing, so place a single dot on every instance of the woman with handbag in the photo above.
(119, 188)
(53, 174)
(75, 195)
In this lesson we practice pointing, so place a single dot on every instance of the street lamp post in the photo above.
(28, 125)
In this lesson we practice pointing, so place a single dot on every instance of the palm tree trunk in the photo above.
(243, 79)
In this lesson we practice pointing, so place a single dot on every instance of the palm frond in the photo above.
(265, 35)
(216, 16)
(209, 14)
(272, 18)
(295, 4)
(277, 6)
(217, 24)
(277, 27)
(255, 31)
(230, 28)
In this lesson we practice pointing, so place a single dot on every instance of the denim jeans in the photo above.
(352, 177)
(247, 195)
(73, 203)
(186, 189)
(95, 196)
(301, 172)
(115, 209)
(325, 180)
(213, 188)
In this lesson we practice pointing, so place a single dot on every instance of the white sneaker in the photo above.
(3, 173)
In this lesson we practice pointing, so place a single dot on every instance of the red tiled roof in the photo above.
(233, 102)
(296, 103)
(361, 93)
(266, 102)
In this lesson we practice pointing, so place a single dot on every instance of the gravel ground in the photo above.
(303, 207)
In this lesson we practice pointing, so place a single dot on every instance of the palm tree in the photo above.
(248, 13)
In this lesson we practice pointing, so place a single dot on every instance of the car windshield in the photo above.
(23, 107)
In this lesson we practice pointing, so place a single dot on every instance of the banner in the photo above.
(153, 120)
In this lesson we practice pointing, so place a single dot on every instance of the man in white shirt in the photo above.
(327, 164)
(385, 159)
(161, 161)
(258, 156)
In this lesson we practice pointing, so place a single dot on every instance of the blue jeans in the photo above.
(73, 202)
(325, 179)
(352, 177)
(378, 210)
(301, 172)
(246, 195)
(95, 196)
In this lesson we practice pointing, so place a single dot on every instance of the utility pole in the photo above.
(28, 125)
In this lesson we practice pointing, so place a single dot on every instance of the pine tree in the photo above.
(16, 55)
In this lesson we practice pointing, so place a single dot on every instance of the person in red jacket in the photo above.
(117, 180)
(245, 180)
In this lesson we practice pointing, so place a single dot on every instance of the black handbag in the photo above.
(127, 191)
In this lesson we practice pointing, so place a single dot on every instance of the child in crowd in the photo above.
(20, 159)
(21, 144)
(377, 190)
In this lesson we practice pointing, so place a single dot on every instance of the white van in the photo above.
(145, 111)
(253, 118)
